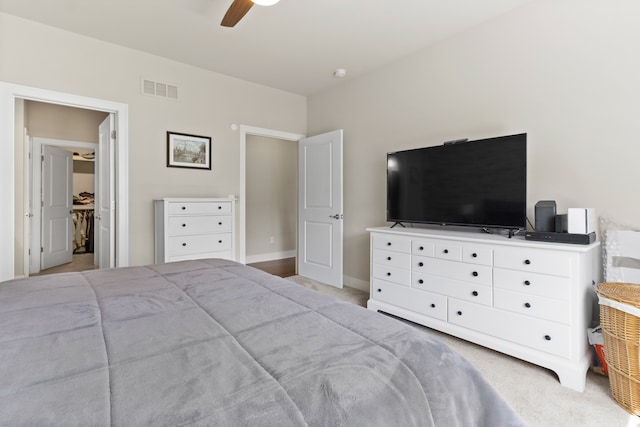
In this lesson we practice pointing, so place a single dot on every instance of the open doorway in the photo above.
(63, 219)
(63, 142)
(14, 236)
(319, 246)
(271, 203)
(249, 135)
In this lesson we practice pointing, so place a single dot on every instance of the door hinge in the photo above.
(42, 158)
(41, 250)
(29, 252)
(113, 134)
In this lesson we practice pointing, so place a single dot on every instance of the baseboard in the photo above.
(271, 256)
(352, 282)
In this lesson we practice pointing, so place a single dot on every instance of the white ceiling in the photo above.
(294, 45)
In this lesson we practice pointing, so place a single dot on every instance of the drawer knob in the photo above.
(527, 283)
(219, 207)
(526, 261)
(459, 313)
(421, 264)
(184, 244)
(421, 281)
(220, 223)
(184, 208)
(547, 337)
(388, 243)
(184, 225)
(526, 304)
(219, 241)
(474, 274)
(421, 248)
(446, 251)
(379, 290)
(388, 274)
(474, 255)
(474, 293)
(433, 306)
(388, 258)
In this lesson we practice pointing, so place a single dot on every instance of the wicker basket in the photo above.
(620, 322)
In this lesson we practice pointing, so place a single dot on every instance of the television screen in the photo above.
(479, 183)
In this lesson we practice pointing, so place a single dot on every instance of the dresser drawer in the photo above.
(550, 337)
(448, 250)
(533, 305)
(479, 294)
(393, 259)
(391, 243)
(203, 255)
(411, 299)
(532, 283)
(179, 208)
(205, 224)
(423, 247)
(392, 274)
(184, 245)
(477, 255)
(478, 274)
(556, 263)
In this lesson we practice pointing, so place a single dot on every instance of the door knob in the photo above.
(336, 216)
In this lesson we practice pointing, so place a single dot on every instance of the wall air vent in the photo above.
(154, 88)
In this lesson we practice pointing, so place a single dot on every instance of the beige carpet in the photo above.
(533, 392)
(79, 262)
(351, 295)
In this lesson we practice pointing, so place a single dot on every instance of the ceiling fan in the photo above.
(239, 8)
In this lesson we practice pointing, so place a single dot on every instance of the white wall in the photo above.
(566, 72)
(32, 54)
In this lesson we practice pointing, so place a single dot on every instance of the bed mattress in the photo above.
(217, 343)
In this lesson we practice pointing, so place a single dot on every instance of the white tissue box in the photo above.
(581, 220)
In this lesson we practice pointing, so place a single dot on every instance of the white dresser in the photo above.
(531, 300)
(194, 229)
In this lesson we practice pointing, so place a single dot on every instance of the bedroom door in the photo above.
(57, 201)
(104, 252)
(320, 208)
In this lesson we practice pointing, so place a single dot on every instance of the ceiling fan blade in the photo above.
(236, 11)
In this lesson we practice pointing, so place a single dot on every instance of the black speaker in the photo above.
(562, 223)
(546, 215)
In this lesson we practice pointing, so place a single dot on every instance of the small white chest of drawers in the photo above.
(194, 228)
(531, 300)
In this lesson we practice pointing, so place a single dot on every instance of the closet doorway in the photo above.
(63, 142)
(62, 199)
(14, 174)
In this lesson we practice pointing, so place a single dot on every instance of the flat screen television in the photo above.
(480, 183)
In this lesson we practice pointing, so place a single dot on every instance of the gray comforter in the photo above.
(216, 343)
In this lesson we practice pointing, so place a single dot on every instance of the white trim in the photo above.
(9, 93)
(26, 229)
(242, 206)
(271, 256)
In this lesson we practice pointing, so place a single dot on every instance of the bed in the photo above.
(216, 343)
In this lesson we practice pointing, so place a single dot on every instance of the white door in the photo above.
(57, 207)
(320, 208)
(104, 245)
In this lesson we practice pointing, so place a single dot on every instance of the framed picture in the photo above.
(188, 151)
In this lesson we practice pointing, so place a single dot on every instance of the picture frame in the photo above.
(188, 151)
